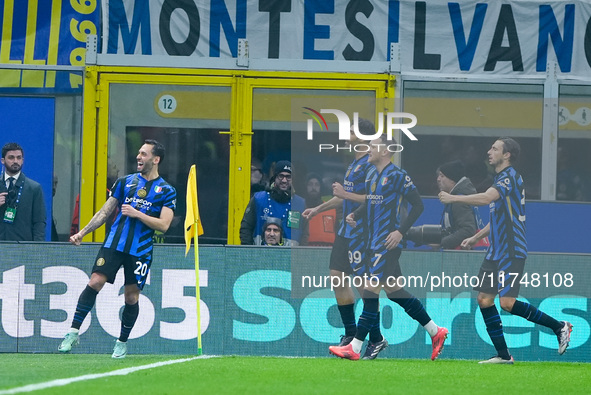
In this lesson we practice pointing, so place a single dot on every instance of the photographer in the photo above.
(458, 221)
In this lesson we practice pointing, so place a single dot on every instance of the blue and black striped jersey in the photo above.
(507, 217)
(385, 192)
(130, 235)
(354, 182)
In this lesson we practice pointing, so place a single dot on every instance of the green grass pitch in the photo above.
(271, 375)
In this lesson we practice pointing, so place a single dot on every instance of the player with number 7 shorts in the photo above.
(386, 186)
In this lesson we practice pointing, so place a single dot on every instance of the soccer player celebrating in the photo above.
(507, 251)
(347, 251)
(385, 187)
(146, 203)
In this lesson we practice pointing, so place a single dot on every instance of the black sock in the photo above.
(368, 316)
(85, 303)
(411, 305)
(375, 334)
(494, 327)
(532, 314)
(130, 313)
(348, 317)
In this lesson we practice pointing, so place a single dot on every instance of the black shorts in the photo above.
(502, 277)
(346, 255)
(136, 269)
(339, 255)
(383, 264)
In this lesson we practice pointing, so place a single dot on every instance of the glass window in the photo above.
(280, 132)
(188, 121)
(573, 173)
(67, 165)
(462, 120)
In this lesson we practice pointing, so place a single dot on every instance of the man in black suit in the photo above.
(22, 208)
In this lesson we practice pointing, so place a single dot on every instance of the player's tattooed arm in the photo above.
(101, 216)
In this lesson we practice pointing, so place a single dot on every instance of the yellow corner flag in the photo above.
(193, 229)
(192, 219)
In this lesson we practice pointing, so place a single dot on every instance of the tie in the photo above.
(10, 183)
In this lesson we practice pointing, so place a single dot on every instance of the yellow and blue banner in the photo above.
(45, 33)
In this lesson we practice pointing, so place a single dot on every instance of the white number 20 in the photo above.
(142, 269)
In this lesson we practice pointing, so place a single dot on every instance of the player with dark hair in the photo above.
(347, 250)
(386, 185)
(146, 203)
(507, 252)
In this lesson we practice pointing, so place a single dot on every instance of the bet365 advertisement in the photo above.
(277, 301)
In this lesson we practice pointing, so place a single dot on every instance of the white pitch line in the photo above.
(120, 372)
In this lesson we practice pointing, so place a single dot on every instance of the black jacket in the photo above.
(458, 218)
(29, 224)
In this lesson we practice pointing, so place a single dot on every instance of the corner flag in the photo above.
(193, 229)
(192, 219)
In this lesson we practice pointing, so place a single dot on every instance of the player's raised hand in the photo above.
(338, 190)
(445, 197)
(76, 239)
(309, 212)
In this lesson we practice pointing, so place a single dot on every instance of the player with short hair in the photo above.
(146, 203)
(386, 186)
(507, 251)
(347, 251)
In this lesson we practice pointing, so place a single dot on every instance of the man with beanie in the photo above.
(279, 202)
(273, 232)
(459, 220)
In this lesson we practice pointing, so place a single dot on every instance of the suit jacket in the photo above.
(29, 224)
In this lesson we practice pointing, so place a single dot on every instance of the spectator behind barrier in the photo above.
(458, 220)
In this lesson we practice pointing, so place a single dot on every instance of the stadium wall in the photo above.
(253, 303)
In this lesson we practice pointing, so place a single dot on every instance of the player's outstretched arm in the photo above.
(161, 223)
(97, 221)
(334, 202)
(477, 199)
(339, 191)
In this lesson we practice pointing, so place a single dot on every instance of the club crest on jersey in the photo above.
(142, 193)
(348, 172)
(373, 187)
(157, 189)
